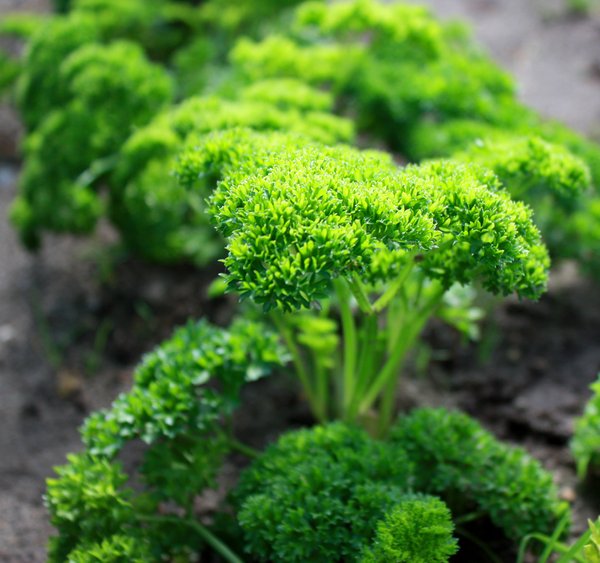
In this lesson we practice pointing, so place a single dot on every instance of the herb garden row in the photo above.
(359, 168)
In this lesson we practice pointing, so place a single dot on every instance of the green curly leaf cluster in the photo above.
(40, 88)
(100, 518)
(87, 502)
(434, 139)
(418, 530)
(165, 220)
(394, 68)
(288, 93)
(533, 169)
(116, 549)
(319, 213)
(183, 393)
(426, 90)
(398, 63)
(538, 170)
(170, 395)
(248, 16)
(108, 91)
(467, 467)
(333, 493)
(585, 444)
(318, 494)
(279, 57)
(159, 27)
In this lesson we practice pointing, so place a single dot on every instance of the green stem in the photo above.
(301, 371)
(386, 408)
(397, 310)
(388, 371)
(369, 353)
(322, 385)
(97, 169)
(553, 542)
(411, 329)
(358, 290)
(203, 532)
(350, 344)
(559, 547)
(470, 517)
(573, 553)
(243, 448)
(393, 289)
(552, 545)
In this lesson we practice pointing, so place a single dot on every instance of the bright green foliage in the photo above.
(414, 64)
(585, 149)
(41, 88)
(245, 15)
(115, 549)
(120, 18)
(583, 236)
(166, 221)
(21, 25)
(159, 26)
(347, 213)
(433, 139)
(108, 91)
(183, 393)
(100, 519)
(591, 550)
(533, 169)
(87, 502)
(192, 67)
(484, 235)
(457, 459)
(540, 172)
(332, 493)
(430, 139)
(547, 177)
(418, 530)
(424, 88)
(586, 440)
(236, 152)
(208, 114)
(413, 72)
(9, 71)
(170, 396)
(288, 93)
(318, 494)
(396, 62)
(280, 57)
(310, 222)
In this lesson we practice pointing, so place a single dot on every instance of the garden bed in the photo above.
(72, 331)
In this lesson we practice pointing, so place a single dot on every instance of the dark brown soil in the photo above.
(72, 327)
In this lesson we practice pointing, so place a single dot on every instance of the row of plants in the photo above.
(417, 85)
(198, 145)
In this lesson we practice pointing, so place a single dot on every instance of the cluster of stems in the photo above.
(378, 330)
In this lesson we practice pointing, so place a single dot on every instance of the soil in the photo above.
(74, 320)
